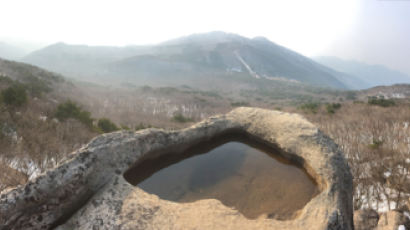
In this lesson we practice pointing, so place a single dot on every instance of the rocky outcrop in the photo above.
(365, 219)
(369, 219)
(88, 191)
(392, 220)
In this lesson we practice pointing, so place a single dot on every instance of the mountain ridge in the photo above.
(368, 75)
(186, 58)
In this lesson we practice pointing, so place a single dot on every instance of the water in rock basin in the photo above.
(248, 177)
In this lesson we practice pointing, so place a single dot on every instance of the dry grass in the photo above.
(32, 141)
(376, 141)
(10, 177)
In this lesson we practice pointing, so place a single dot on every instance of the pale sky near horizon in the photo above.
(372, 31)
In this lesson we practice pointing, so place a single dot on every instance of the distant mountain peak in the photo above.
(370, 75)
(261, 38)
(189, 58)
(210, 37)
(57, 45)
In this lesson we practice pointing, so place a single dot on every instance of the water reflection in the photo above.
(243, 176)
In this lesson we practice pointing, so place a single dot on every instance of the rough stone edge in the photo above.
(42, 202)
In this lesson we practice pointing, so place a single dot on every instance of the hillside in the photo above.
(193, 60)
(39, 125)
(397, 91)
(366, 75)
(37, 133)
(78, 60)
(32, 137)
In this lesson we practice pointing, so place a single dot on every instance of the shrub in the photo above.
(358, 102)
(85, 118)
(36, 86)
(178, 117)
(67, 110)
(380, 102)
(6, 79)
(375, 144)
(146, 88)
(210, 94)
(106, 125)
(142, 126)
(125, 127)
(331, 108)
(14, 95)
(70, 109)
(351, 95)
(310, 107)
(239, 104)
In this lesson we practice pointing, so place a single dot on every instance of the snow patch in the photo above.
(251, 72)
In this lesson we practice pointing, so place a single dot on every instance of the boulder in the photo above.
(88, 191)
(393, 220)
(366, 219)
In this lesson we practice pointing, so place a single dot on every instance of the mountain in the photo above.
(193, 59)
(31, 137)
(78, 60)
(368, 75)
(11, 52)
(393, 91)
(29, 74)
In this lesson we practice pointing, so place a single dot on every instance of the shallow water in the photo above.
(248, 177)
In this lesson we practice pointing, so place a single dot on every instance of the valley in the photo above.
(173, 85)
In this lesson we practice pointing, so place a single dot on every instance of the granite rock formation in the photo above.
(365, 219)
(88, 191)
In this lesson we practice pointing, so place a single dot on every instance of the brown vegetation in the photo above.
(376, 141)
(32, 141)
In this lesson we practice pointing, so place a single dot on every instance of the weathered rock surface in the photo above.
(365, 219)
(88, 191)
(392, 220)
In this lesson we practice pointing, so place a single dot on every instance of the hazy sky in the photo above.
(380, 34)
(374, 31)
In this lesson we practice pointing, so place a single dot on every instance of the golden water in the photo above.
(248, 177)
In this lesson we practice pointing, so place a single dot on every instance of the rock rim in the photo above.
(88, 191)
